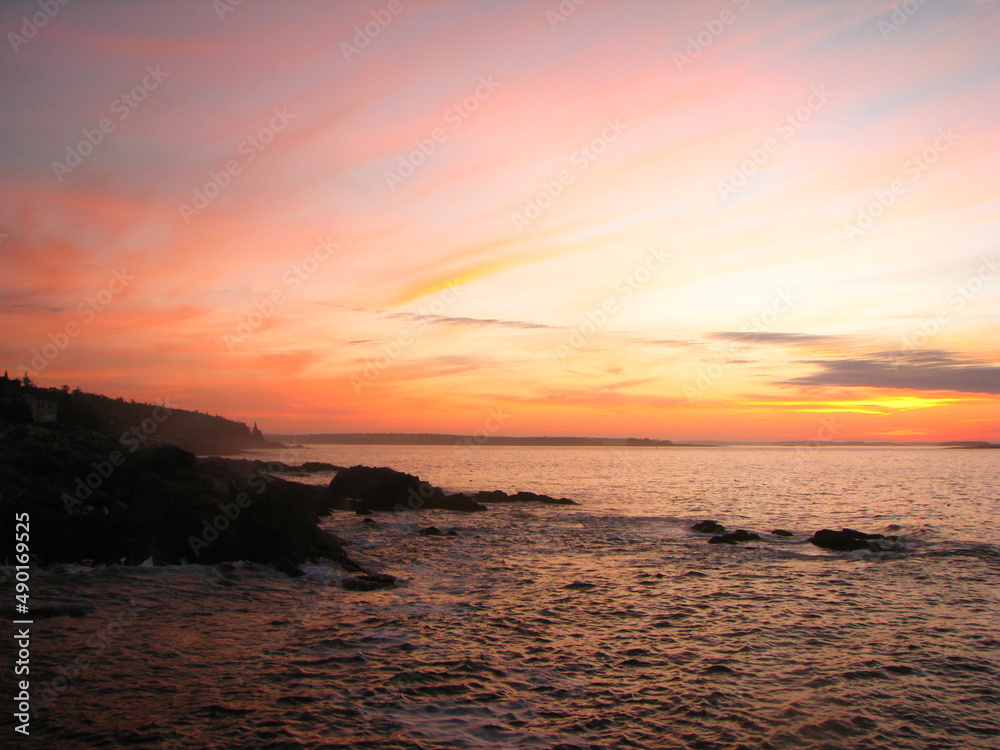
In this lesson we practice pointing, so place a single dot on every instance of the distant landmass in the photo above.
(427, 438)
(432, 438)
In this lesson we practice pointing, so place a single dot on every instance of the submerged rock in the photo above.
(708, 527)
(431, 531)
(369, 582)
(782, 532)
(497, 496)
(848, 540)
(740, 535)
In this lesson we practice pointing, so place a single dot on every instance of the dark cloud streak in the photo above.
(932, 370)
(764, 337)
(478, 322)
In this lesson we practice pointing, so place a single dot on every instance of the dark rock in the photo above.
(368, 582)
(313, 466)
(497, 496)
(270, 467)
(385, 489)
(292, 571)
(362, 511)
(368, 520)
(431, 531)
(740, 535)
(451, 532)
(782, 532)
(708, 527)
(493, 496)
(93, 498)
(161, 458)
(458, 502)
(847, 540)
(580, 585)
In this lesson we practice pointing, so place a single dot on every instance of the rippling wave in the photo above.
(608, 625)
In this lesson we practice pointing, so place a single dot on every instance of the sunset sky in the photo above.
(685, 220)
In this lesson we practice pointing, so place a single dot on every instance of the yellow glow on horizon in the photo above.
(884, 405)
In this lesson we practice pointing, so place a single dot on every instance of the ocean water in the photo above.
(604, 625)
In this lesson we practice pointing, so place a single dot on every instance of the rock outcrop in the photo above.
(708, 527)
(740, 535)
(365, 489)
(252, 464)
(849, 540)
(91, 498)
(384, 489)
(497, 496)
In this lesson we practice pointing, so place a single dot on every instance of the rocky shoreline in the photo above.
(94, 500)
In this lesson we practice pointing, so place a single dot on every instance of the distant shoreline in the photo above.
(394, 438)
(437, 439)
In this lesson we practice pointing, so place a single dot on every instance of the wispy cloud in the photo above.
(781, 339)
(474, 322)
